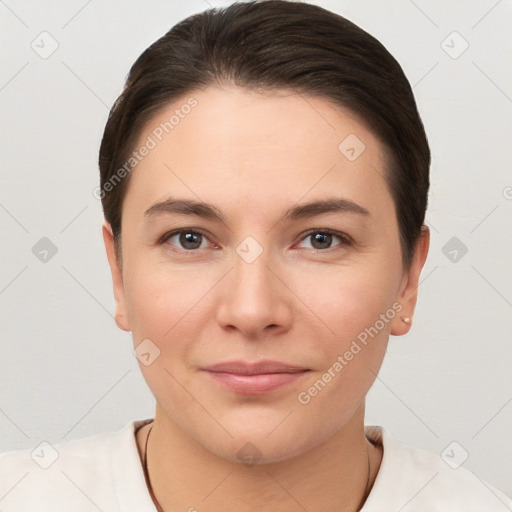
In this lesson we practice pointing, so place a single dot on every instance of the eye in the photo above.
(323, 239)
(187, 240)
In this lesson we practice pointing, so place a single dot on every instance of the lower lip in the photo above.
(255, 384)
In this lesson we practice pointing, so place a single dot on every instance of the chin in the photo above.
(254, 443)
(257, 452)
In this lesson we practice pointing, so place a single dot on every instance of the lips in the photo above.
(254, 378)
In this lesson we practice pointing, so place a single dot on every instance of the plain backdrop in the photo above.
(66, 371)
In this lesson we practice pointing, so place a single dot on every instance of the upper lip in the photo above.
(258, 368)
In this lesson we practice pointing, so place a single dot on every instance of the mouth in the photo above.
(254, 378)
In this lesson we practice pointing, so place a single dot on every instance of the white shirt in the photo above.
(104, 473)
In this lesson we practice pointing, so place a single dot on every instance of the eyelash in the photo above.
(345, 240)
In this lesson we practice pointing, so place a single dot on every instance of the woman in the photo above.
(264, 179)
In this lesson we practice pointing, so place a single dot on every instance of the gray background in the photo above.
(66, 371)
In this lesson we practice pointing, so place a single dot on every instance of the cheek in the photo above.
(347, 299)
(164, 305)
(160, 298)
(355, 306)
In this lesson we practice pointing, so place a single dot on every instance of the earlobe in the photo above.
(409, 290)
(121, 316)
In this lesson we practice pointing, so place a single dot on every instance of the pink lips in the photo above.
(254, 378)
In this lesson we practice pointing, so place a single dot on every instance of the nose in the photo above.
(254, 301)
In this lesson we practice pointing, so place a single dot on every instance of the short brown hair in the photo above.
(269, 45)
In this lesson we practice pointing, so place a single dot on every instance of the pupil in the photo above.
(322, 240)
(190, 240)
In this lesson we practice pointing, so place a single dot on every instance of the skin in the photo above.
(253, 156)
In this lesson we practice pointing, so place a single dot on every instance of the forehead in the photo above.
(227, 143)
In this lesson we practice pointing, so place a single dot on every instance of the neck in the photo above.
(336, 475)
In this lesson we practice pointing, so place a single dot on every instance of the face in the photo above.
(261, 269)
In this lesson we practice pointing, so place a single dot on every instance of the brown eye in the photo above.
(187, 240)
(323, 239)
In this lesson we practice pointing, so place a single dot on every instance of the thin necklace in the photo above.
(159, 508)
(146, 473)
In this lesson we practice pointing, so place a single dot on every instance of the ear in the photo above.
(121, 316)
(409, 288)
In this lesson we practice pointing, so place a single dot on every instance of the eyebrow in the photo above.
(307, 210)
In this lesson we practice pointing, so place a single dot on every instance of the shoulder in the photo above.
(77, 475)
(414, 479)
